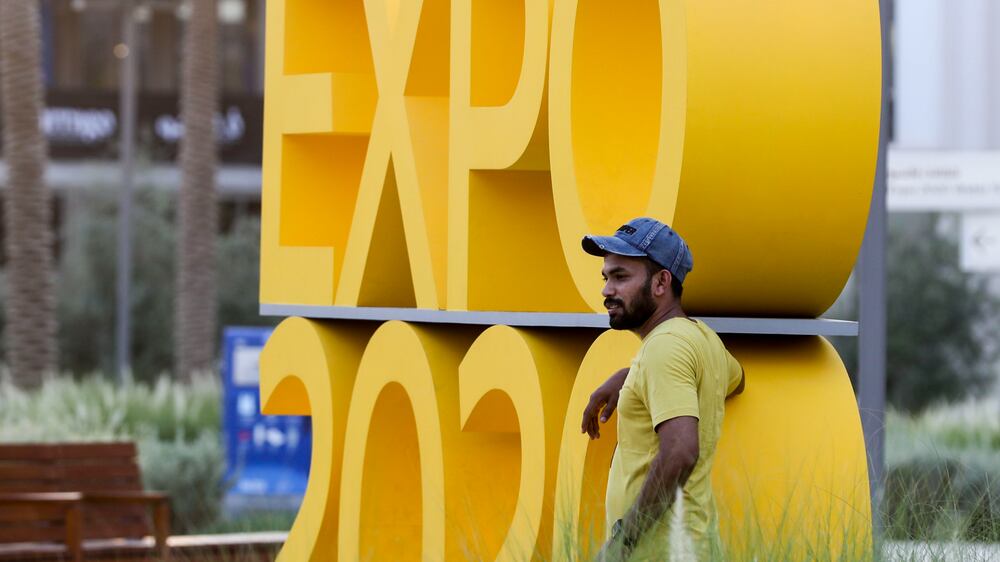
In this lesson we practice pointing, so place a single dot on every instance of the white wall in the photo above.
(947, 74)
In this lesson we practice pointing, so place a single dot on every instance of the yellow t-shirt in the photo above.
(681, 369)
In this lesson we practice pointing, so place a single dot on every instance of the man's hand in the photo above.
(617, 549)
(613, 551)
(602, 403)
(669, 471)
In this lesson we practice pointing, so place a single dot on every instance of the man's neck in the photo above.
(674, 310)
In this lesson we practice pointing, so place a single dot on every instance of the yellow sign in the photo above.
(450, 154)
(457, 443)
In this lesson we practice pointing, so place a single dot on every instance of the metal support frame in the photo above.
(127, 96)
(721, 324)
(871, 273)
(128, 101)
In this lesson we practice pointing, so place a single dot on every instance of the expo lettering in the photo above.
(443, 127)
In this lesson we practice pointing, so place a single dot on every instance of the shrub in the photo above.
(191, 473)
(87, 268)
(942, 322)
(95, 408)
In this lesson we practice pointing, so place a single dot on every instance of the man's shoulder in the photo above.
(669, 339)
(682, 335)
(680, 331)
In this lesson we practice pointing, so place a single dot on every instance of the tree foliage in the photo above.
(87, 297)
(943, 323)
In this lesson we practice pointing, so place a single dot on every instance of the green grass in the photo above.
(943, 473)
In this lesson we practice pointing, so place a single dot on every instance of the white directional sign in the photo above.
(934, 180)
(980, 250)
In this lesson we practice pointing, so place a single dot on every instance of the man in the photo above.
(670, 402)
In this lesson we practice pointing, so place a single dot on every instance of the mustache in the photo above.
(610, 301)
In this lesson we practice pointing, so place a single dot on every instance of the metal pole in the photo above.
(872, 292)
(260, 12)
(127, 117)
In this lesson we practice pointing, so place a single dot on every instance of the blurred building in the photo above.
(945, 153)
(947, 75)
(82, 43)
(80, 37)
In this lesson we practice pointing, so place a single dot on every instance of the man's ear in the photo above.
(662, 282)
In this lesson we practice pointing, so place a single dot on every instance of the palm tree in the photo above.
(30, 298)
(195, 312)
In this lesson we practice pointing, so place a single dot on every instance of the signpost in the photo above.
(936, 180)
(980, 249)
(965, 182)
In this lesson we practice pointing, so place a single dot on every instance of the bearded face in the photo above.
(627, 312)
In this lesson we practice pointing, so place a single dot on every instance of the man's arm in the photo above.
(741, 386)
(603, 401)
(735, 372)
(670, 469)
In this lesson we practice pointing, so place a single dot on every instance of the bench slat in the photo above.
(19, 512)
(25, 451)
(20, 486)
(28, 471)
(118, 485)
(32, 532)
(133, 530)
(115, 512)
(24, 471)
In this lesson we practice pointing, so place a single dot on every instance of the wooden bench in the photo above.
(78, 501)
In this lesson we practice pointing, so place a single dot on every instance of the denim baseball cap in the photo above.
(645, 237)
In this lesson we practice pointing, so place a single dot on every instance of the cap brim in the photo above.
(603, 245)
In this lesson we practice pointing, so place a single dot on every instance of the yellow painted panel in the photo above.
(750, 127)
(387, 277)
(781, 137)
(399, 416)
(790, 472)
(307, 368)
(768, 130)
(617, 71)
(583, 463)
(428, 73)
(497, 119)
(323, 36)
(514, 256)
(497, 33)
(319, 79)
(452, 442)
(312, 266)
(320, 175)
(428, 118)
(535, 370)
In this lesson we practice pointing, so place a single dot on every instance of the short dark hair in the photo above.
(652, 268)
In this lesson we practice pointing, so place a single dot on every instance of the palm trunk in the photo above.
(30, 298)
(195, 313)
